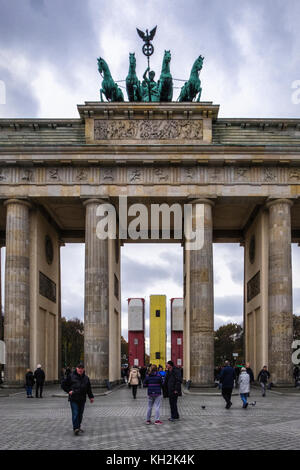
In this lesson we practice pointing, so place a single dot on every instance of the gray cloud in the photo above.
(231, 306)
(251, 48)
(236, 270)
(59, 34)
(137, 275)
(19, 100)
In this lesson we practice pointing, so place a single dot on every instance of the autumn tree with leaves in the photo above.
(229, 339)
(72, 341)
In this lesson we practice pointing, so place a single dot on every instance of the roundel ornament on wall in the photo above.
(49, 249)
(252, 249)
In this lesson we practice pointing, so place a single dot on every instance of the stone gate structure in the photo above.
(55, 172)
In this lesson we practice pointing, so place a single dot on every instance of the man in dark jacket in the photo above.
(263, 378)
(39, 376)
(172, 385)
(78, 386)
(227, 378)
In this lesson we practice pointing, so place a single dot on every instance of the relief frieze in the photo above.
(157, 129)
(155, 174)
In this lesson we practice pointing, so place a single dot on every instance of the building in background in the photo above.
(136, 332)
(177, 331)
(158, 333)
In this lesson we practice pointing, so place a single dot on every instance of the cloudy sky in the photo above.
(48, 52)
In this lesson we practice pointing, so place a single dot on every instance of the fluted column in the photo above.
(202, 304)
(96, 305)
(16, 311)
(280, 291)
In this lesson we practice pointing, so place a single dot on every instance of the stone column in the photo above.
(96, 305)
(202, 304)
(280, 319)
(16, 311)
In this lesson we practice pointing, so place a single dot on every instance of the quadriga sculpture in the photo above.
(109, 88)
(192, 87)
(165, 87)
(133, 85)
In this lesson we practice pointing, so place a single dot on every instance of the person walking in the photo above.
(78, 386)
(172, 385)
(29, 383)
(143, 373)
(250, 372)
(244, 384)
(227, 377)
(39, 377)
(263, 378)
(133, 380)
(154, 383)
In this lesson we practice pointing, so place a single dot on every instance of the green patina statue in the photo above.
(133, 85)
(150, 91)
(165, 81)
(109, 88)
(192, 87)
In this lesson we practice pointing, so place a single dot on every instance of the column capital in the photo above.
(271, 202)
(18, 201)
(103, 200)
(203, 200)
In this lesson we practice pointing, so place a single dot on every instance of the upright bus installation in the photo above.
(158, 329)
(177, 331)
(136, 332)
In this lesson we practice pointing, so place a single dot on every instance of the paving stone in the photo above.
(117, 422)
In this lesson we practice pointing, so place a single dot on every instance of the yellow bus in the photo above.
(158, 326)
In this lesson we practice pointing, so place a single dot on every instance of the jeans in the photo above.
(29, 390)
(77, 408)
(244, 397)
(263, 387)
(226, 392)
(173, 405)
(156, 402)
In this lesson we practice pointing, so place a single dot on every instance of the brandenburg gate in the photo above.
(54, 173)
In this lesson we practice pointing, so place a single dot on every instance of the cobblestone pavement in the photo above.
(116, 421)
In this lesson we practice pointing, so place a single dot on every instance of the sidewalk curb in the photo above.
(207, 394)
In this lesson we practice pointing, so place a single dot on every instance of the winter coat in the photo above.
(227, 377)
(134, 377)
(29, 379)
(80, 386)
(154, 383)
(244, 382)
(39, 376)
(173, 382)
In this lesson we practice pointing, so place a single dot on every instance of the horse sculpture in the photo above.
(165, 80)
(133, 85)
(192, 87)
(109, 88)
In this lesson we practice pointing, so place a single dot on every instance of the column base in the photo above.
(284, 385)
(206, 385)
(104, 384)
(8, 385)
